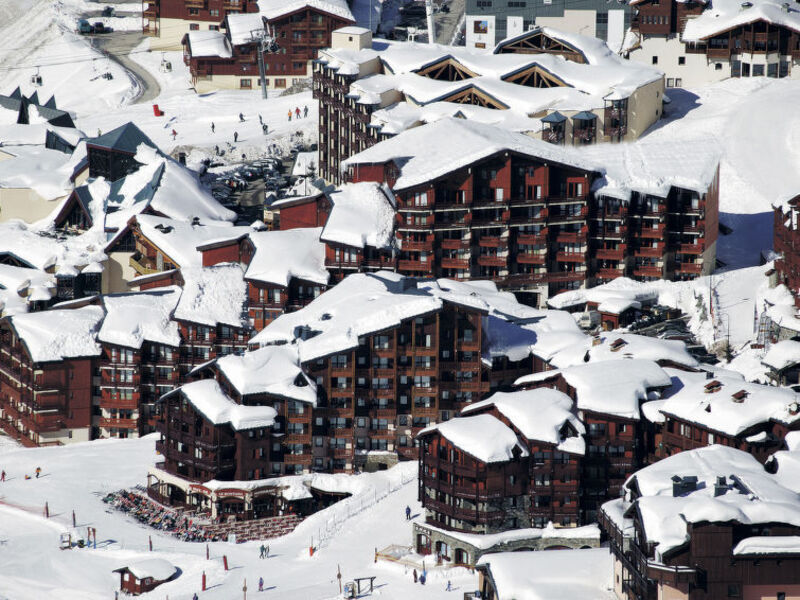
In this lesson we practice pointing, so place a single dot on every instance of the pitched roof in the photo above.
(125, 138)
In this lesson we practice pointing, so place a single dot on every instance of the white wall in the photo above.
(514, 26)
(573, 21)
(480, 40)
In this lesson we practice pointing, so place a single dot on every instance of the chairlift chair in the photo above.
(36, 79)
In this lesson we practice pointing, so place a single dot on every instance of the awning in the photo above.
(584, 115)
(555, 117)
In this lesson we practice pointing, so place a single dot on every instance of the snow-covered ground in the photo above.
(77, 477)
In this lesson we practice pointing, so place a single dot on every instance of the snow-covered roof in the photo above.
(363, 214)
(273, 9)
(620, 289)
(45, 171)
(628, 345)
(583, 86)
(273, 370)
(281, 256)
(131, 319)
(586, 574)
(364, 304)
(539, 415)
(724, 15)
(179, 240)
(775, 544)
(209, 399)
(750, 495)
(483, 436)
(485, 541)
(446, 145)
(615, 388)
(735, 407)
(58, 334)
(213, 295)
(242, 25)
(210, 43)
(782, 355)
(156, 568)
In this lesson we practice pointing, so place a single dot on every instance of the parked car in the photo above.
(84, 27)
(98, 27)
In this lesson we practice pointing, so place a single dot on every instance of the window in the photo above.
(246, 84)
(513, 4)
(678, 82)
(194, 11)
(194, 26)
(214, 12)
(758, 70)
(601, 18)
(780, 596)
(280, 83)
(655, 60)
(670, 82)
(681, 60)
(733, 590)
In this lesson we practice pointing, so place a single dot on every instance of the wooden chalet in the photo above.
(143, 576)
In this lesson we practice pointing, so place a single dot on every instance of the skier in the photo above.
(260, 120)
(449, 587)
(235, 136)
(38, 472)
(195, 596)
(408, 513)
(264, 128)
(263, 551)
(297, 112)
(266, 552)
(290, 114)
(305, 111)
(422, 578)
(241, 118)
(260, 584)
(174, 135)
(415, 576)
(212, 127)
(3, 475)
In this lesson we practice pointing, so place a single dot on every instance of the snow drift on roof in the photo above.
(157, 568)
(629, 345)
(281, 256)
(208, 398)
(783, 354)
(768, 544)
(736, 407)
(273, 9)
(213, 295)
(131, 319)
(55, 335)
(363, 214)
(723, 15)
(241, 27)
(585, 574)
(482, 436)
(209, 43)
(273, 370)
(539, 415)
(754, 496)
(615, 388)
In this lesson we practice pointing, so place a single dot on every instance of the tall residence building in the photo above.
(475, 201)
(695, 43)
(706, 524)
(570, 87)
(490, 21)
(285, 35)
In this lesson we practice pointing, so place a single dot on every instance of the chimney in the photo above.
(721, 486)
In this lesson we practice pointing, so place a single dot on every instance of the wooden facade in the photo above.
(786, 243)
(298, 37)
(42, 403)
(535, 228)
(210, 11)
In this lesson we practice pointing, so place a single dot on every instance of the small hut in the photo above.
(144, 575)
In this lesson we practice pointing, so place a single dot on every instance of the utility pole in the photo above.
(429, 16)
(265, 43)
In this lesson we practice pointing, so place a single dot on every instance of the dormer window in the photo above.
(713, 386)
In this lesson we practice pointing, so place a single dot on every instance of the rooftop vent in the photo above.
(721, 486)
(164, 228)
(709, 374)
(785, 7)
(195, 221)
(683, 485)
(794, 408)
(713, 386)
(746, 5)
(739, 396)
